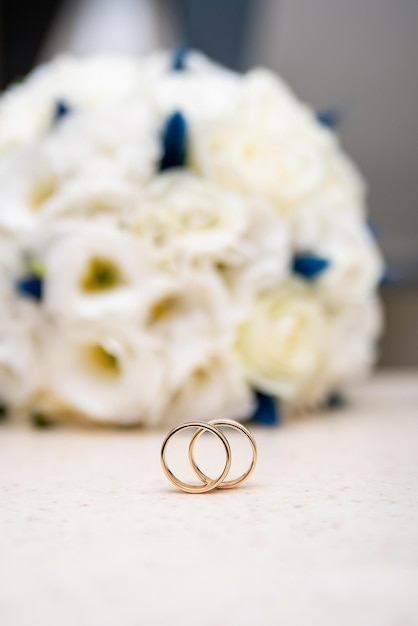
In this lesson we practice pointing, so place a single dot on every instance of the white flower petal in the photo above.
(282, 344)
(205, 91)
(102, 373)
(355, 263)
(186, 217)
(270, 146)
(215, 390)
(354, 333)
(27, 109)
(191, 318)
(97, 273)
(20, 369)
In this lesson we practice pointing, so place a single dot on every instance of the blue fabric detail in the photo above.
(330, 118)
(309, 266)
(62, 109)
(178, 62)
(174, 142)
(336, 400)
(373, 230)
(267, 411)
(389, 277)
(31, 286)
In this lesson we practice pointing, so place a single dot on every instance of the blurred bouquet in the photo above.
(175, 237)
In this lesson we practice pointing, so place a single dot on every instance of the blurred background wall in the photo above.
(358, 59)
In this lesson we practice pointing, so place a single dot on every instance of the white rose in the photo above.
(119, 141)
(43, 203)
(216, 389)
(355, 263)
(264, 258)
(33, 197)
(11, 267)
(84, 157)
(203, 91)
(282, 344)
(102, 373)
(252, 161)
(184, 217)
(266, 246)
(186, 220)
(191, 318)
(27, 109)
(17, 212)
(84, 199)
(97, 272)
(268, 101)
(20, 369)
(354, 333)
(277, 152)
(345, 187)
(97, 81)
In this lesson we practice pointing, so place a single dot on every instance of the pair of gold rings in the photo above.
(208, 484)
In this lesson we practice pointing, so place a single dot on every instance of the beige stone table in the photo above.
(325, 532)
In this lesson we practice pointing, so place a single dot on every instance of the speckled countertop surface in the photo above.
(325, 532)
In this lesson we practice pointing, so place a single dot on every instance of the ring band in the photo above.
(208, 483)
(230, 483)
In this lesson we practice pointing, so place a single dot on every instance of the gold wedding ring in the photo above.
(230, 483)
(209, 483)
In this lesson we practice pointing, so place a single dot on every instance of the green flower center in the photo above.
(103, 360)
(161, 309)
(42, 191)
(101, 274)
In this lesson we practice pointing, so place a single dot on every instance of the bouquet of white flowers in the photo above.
(176, 241)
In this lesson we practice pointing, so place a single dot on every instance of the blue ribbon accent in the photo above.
(309, 265)
(62, 109)
(174, 142)
(336, 400)
(389, 277)
(267, 411)
(178, 62)
(373, 229)
(330, 118)
(31, 286)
